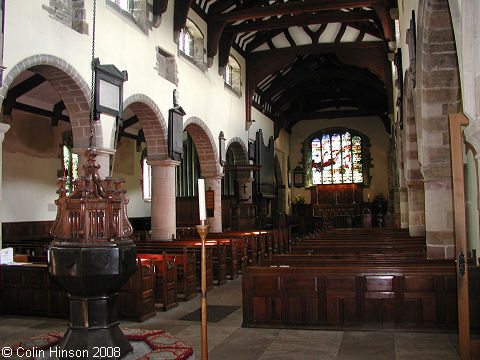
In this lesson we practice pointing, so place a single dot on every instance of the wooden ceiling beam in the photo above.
(302, 20)
(180, 15)
(37, 111)
(328, 114)
(20, 89)
(262, 38)
(130, 121)
(373, 56)
(25, 86)
(386, 21)
(292, 8)
(214, 30)
(57, 112)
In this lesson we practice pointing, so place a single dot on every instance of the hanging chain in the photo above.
(92, 89)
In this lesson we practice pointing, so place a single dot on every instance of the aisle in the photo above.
(228, 340)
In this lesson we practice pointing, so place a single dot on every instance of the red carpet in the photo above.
(164, 345)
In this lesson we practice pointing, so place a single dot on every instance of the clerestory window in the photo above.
(191, 43)
(126, 5)
(232, 76)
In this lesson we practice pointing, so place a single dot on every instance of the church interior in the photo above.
(308, 166)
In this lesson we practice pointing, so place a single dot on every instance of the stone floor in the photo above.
(228, 340)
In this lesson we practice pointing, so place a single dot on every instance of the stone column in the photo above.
(214, 182)
(416, 209)
(103, 159)
(439, 219)
(403, 208)
(3, 129)
(164, 219)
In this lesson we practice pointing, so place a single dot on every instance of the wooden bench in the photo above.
(165, 268)
(172, 248)
(136, 300)
(384, 295)
(30, 290)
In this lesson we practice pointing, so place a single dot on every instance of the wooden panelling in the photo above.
(420, 296)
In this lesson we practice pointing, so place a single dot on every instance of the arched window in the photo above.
(70, 167)
(337, 159)
(191, 43)
(146, 178)
(232, 76)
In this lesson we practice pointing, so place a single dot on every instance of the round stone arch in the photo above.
(209, 166)
(239, 150)
(153, 125)
(437, 95)
(70, 86)
(205, 145)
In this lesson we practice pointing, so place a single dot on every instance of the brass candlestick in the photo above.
(203, 231)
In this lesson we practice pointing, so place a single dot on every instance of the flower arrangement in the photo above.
(299, 200)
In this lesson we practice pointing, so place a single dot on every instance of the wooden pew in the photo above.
(362, 295)
(29, 290)
(173, 248)
(231, 252)
(136, 300)
(165, 279)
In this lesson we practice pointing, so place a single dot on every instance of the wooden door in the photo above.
(469, 348)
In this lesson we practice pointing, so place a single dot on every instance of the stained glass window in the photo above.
(337, 159)
(70, 167)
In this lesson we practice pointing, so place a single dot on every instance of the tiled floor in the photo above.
(228, 340)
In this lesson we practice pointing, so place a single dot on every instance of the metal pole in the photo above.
(203, 231)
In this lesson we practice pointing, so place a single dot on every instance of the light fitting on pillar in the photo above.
(175, 129)
(108, 88)
(222, 154)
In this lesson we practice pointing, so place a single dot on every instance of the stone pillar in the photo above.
(439, 219)
(416, 209)
(3, 129)
(403, 194)
(103, 159)
(164, 219)
(215, 183)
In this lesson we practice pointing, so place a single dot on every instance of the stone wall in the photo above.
(437, 96)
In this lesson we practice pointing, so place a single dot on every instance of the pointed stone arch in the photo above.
(70, 86)
(153, 125)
